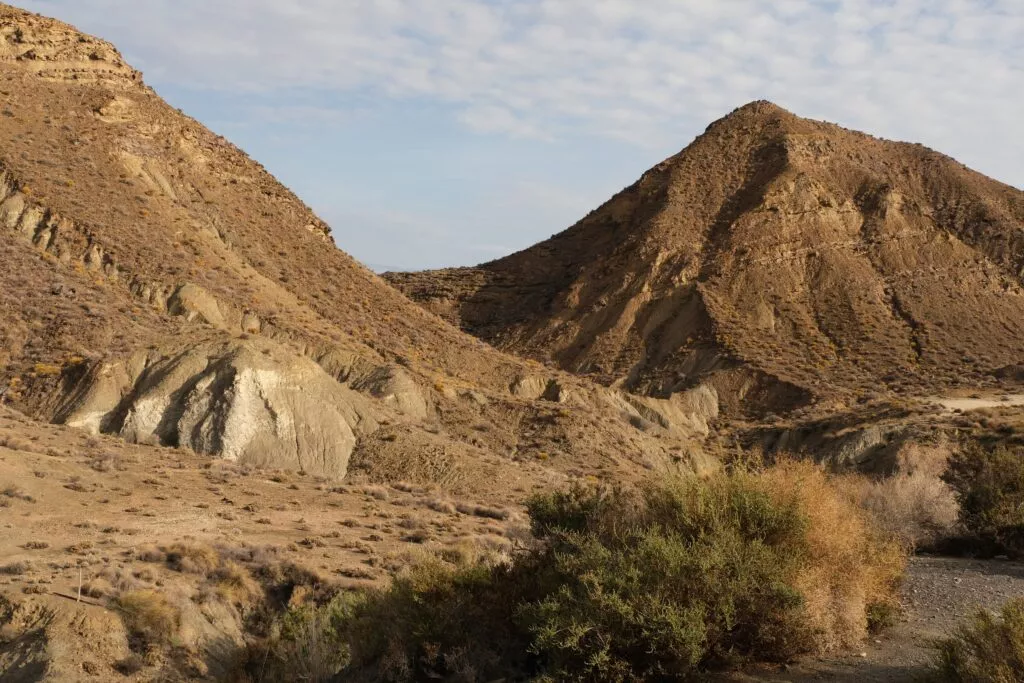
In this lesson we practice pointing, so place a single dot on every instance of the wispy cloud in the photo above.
(642, 70)
(585, 90)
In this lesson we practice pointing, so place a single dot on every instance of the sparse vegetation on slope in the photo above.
(662, 582)
(775, 259)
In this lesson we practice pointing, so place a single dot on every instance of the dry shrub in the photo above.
(16, 493)
(106, 462)
(120, 580)
(441, 505)
(919, 509)
(483, 511)
(376, 492)
(14, 443)
(234, 585)
(192, 558)
(149, 617)
(97, 588)
(150, 553)
(469, 553)
(913, 504)
(851, 567)
(15, 568)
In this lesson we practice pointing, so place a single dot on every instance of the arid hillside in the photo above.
(160, 285)
(777, 260)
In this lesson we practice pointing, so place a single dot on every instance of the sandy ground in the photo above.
(72, 505)
(965, 404)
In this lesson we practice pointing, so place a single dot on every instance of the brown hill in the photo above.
(158, 284)
(775, 259)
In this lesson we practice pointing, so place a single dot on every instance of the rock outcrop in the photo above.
(250, 402)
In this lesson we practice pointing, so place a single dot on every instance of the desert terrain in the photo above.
(216, 426)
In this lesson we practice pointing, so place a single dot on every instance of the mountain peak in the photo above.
(776, 259)
(761, 108)
(756, 113)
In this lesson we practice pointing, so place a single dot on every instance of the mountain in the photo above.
(779, 261)
(160, 285)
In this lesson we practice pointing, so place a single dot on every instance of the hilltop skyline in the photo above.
(453, 133)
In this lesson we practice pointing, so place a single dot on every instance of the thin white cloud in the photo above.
(946, 72)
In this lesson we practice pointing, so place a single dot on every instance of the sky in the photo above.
(433, 133)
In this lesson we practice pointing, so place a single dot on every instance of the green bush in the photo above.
(985, 648)
(660, 583)
(442, 622)
(695, 573)
(989, 487)
(307, 644)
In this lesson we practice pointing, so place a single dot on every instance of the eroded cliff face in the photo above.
(249, 402)
(776, 259)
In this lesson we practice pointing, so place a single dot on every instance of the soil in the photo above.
(82, 519)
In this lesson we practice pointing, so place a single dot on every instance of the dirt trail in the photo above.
(938, 593)
(979, 403)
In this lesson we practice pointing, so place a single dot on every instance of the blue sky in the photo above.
(450, 132)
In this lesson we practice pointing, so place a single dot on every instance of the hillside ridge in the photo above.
(780, 259)
(160, 285)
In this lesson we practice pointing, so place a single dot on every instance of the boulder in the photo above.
(248, 401)
(192, 301)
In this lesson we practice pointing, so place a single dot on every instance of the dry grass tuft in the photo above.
(442, 505)
(15, 568)
(150, 553)
(16, 493)
(149, 617)
(235, 585)
(107, 462)
(483, 511)
(192, 558)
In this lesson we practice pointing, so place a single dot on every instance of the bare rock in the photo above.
(395, 387)
(250, 402)
(192, 301)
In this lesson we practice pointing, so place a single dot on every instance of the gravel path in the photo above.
(937, 593)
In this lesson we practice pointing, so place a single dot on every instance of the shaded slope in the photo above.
(775, 257)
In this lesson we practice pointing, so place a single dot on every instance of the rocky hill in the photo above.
(776, 260)
(160, 285)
